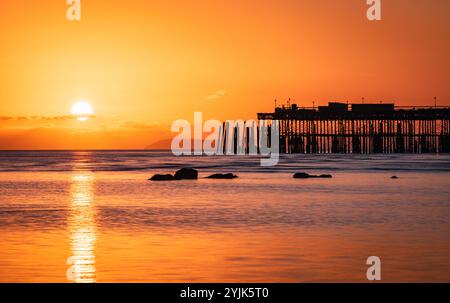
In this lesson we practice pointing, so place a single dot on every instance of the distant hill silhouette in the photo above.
(161, 144)
(164, 144)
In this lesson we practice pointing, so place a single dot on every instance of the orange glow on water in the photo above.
(117, 227)
(82, 230)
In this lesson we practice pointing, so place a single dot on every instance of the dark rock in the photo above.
(186, 174)
(394, 177)
(307, 176)
(159, 177)
(182, 174)
(222, 176)
(302, 176)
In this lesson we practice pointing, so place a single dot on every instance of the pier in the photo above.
(362, 128)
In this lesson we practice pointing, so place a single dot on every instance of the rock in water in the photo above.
(186, 174)
(159, 177)
(222, 176)
(302, 176)
(394, 177)
(306, 176)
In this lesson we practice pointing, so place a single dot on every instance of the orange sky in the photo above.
(143, 63)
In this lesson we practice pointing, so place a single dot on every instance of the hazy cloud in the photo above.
(57, 118)
(141, 125)
(217, 95)
(41, 118)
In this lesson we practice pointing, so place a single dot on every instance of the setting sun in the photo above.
(82, 110)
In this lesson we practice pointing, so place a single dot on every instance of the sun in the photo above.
(82, 110)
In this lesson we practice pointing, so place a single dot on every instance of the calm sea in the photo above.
(92, 216)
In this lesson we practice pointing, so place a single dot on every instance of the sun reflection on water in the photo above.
(82, 230)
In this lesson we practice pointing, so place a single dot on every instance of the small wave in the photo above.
(60, 161)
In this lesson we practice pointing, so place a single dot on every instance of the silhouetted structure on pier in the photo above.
(362, 128)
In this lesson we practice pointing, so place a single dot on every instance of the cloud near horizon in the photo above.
(44, 118)
(217, 95)
(144, 126)
(65, 132)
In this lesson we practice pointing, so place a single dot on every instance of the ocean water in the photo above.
(92, 216)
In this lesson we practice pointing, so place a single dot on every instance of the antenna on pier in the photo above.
(275, 103)
(435, 102)
(314, 105)
(289, 102)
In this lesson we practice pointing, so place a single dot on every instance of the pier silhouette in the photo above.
(362, 128)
